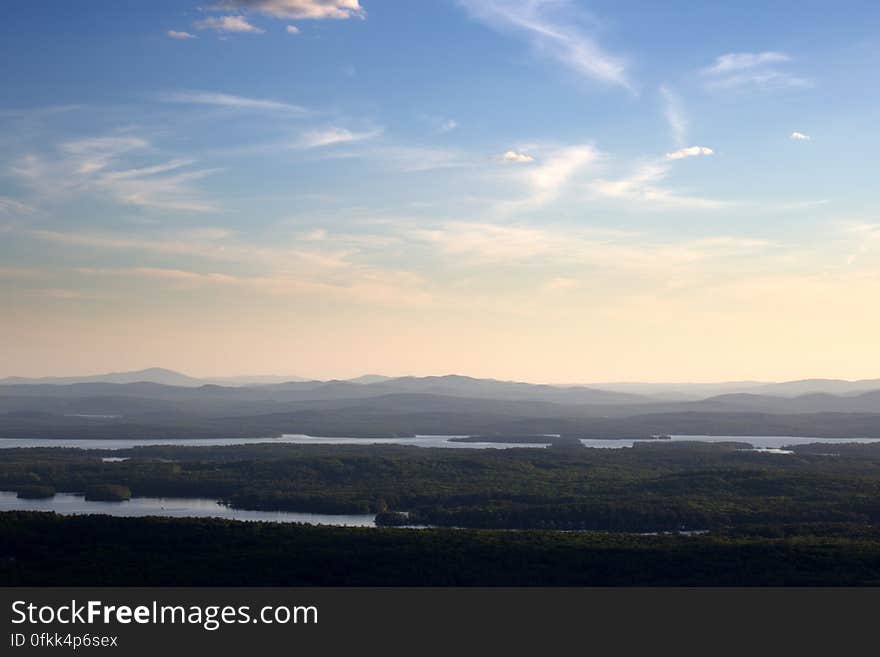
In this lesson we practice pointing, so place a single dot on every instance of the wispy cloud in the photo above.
(553, 28)
(207, 245)
(393, 289)
(175, 34)
(95, 153)
(292, 29)
(317, 264)
(746, 69)
(299, 9)
(237, 24)
(739, 61)
(97, 165)
(12, 206)
(334, 135)
(414, 158)
(799, 136)
(477, 244)
(218, 99)
(645, 188)
(675, 116)
(546, 178)
(690, 151)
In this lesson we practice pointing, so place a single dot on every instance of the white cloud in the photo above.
(147, 171)
(174, 34)
(546, 181)
(517, 157)
(738, 61)
(292, 29)
(228, 100)
(237, 24)
(301, 9)
(208, 244)
(766, 79)
(98, 166)
(94, 154)
(800, 136)
(315, 264)
(643, 187)
(551, 26)
(334, 135)
(475, 243)
(690, 151)
(746, 69)
(674, 115)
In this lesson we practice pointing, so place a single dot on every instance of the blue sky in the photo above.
(545, 190)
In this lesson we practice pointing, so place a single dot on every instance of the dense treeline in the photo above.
(45, 549)
(653, 487)
(363, 420)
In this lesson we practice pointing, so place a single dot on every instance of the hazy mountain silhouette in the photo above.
(159, 375)
(151, 375)
(684, 391)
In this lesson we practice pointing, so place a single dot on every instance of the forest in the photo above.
(39, 549)
(652, 487)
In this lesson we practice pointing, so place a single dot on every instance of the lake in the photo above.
(771, 444)
(69, 504)
(288, 439)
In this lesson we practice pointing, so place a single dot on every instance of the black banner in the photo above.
(330, 621)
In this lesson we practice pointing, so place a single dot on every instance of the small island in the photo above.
(35, 492)
(108, 493)
(392, 519)
(513, 439)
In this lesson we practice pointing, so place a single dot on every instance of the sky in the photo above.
(538, 190)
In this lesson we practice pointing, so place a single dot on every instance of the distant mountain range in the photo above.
(166, 403)
(694, 391)
(616, 392)
(151, 375)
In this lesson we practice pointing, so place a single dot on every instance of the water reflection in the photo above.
(69, 504)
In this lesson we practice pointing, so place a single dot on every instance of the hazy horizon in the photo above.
(543, 190)
(304, 377)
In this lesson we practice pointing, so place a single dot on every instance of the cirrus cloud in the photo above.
(552, 28)
(747, 69)
(299, 9)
